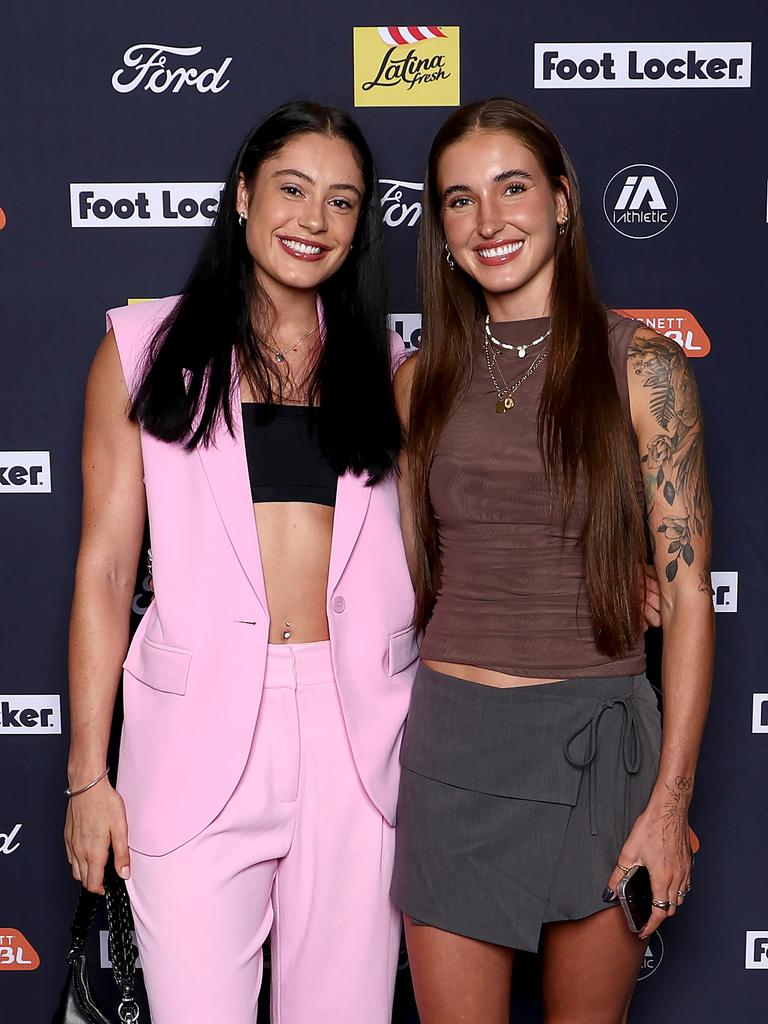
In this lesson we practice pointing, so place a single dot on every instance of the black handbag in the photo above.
(77, 1005)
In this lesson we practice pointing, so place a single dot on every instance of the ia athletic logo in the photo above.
(654, 954)
(640, 201)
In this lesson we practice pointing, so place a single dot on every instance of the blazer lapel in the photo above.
(352, 499)
(226, 468)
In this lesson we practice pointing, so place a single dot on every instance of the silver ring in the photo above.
(661, 904)
(681, 893)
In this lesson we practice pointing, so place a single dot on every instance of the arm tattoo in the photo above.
(674, 464)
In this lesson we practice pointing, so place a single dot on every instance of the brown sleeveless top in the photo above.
(513, 588)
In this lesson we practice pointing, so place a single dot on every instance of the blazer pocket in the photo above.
(158, 665)
(403, 650)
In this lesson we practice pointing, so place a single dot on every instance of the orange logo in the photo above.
(678, 324)
(16, 952)
(3, 220)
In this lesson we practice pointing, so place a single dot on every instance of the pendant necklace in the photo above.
(280, 356)
(505, 401)
(522, 350)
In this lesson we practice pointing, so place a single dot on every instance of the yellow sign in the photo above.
(407, 66)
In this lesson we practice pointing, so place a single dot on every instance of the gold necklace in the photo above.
(280, 356)
(504, 394)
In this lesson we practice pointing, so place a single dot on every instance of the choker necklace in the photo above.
(522, 350)
(280, 356)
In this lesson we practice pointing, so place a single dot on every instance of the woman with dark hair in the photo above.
(265, 690)
(534, 774)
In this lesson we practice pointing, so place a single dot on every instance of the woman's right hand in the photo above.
(95, 821)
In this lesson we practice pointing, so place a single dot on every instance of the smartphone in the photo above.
(635, 895)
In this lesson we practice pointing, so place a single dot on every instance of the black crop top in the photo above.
(284, 458)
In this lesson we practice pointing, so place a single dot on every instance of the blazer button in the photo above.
(338, 604)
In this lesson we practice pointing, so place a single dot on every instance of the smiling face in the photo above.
(500, 217)
(302, 210)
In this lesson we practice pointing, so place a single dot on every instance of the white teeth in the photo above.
(501, 250)
(313, 250)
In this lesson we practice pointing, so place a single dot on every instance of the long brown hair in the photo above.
(581, 427)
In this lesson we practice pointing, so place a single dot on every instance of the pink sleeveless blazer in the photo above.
(195, 668)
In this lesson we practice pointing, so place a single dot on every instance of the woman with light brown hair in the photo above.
(535, 776)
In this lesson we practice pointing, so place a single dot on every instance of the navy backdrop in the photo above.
(112, 145)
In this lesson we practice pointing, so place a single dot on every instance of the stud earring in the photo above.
(562, 226)
(449, 257)
(241, 220)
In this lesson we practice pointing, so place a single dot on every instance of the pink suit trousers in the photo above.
(299, 851)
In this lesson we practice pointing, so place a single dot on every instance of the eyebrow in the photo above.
(339, 187)
(516, 172)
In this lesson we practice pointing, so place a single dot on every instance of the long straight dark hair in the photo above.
(581, 428)
(223, 310)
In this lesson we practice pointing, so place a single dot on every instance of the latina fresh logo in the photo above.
(407, 66)
(640, 201)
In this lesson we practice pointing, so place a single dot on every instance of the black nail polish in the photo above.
(608, 895)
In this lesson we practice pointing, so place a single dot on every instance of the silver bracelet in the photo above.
(76, 792)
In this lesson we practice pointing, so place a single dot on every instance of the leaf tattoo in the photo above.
(674, 463)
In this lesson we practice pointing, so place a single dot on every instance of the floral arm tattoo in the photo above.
(676, 491)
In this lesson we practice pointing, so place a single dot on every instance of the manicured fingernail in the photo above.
(125, 872)
(608, 895)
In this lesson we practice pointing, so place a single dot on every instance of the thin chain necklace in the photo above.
(280, 356)
(504, 394)
(522, 350)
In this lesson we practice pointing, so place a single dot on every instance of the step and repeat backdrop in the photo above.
(119, 123)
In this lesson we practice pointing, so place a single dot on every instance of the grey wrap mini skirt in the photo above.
(514, 803)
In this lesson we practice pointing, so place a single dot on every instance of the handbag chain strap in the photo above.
(122, 951)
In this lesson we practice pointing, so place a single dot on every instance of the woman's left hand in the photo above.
(659, 841)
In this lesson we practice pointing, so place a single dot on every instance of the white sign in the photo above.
(25, 473)
(408, 326)
(30, 713)
(725, 591)
(760, 712)
(756, 956)
(642, 65)
(173, 204)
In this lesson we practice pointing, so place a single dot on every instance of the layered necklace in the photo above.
(504, 391)
(492, 349)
